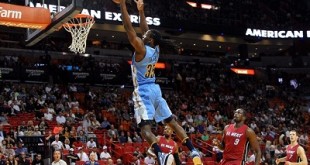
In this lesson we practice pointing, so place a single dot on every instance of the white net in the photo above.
(79, 28)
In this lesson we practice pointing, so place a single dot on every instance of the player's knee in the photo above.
(145, 123)
(169, 120)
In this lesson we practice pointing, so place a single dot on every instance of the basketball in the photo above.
(117, 1)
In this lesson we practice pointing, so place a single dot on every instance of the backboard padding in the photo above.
(57, 21)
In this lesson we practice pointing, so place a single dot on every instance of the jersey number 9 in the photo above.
(236, 142)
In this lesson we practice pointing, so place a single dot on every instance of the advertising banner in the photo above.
(24, 17)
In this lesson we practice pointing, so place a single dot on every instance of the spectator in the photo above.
(11, 160)
(72, 157)
(253, 125)
(113, 133)
(66, 132)
(11, 137)
(73, 130)
(2, 133)
(267, 160)
(90, 133)
(99, 117)
(218, 152)
(57, 145)
(93, 123)
(82, 137)
(4, 144)
(189, 117)
(3, 118)
(205, 136)
(104, 155)
(279, 152)
(79, 114)
(23, 126)
(191, 128)
(59, 106)
(282, 139)
(129, 138)
(105, 124)
(136, 159)
(82, 155)
(72, 138)
(91, 144)
(48, 116)
(138, 153)
(29, 131)
(50, 136)
(38, 160)
(218, 116)
(57, 159)
(136, 137)
(119, 162)
(149, 160)
(23, 160)
(60, 119)
(200, 128)
(10, 150)
(20, 149)
(92, 160)
(251, 159)
(43, 124)
(70, 117)
(303, 140)
(110, 161)
(50, 109)
(122, 138)
(2, 161)
(15, 107)
(36, 132)
(67, 145)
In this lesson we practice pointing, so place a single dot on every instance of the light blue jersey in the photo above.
(143, 72)
(147, 96)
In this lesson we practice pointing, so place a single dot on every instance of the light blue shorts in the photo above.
(149, 103)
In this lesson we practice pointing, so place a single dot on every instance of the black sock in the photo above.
(156, 148)
(189, 144)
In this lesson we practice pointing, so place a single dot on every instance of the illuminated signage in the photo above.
(24, 16)
(110, 16)
(159, 65)
(243, 71)
(202, 5)
(277, 34)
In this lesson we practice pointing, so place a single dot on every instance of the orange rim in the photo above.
(80, 16)
(83, 16)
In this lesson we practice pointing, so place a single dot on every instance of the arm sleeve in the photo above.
(177, 159)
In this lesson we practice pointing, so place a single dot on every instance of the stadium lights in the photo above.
(202, 5)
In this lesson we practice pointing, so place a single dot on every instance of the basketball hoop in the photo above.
(79, 27)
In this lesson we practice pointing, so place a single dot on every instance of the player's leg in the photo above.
(144, 114)
(180, 132)
(163, 113)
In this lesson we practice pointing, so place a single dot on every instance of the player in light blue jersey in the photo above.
(148, 101)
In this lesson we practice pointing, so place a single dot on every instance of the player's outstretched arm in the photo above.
(134, 40)
(254, 145)
(143, 24)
